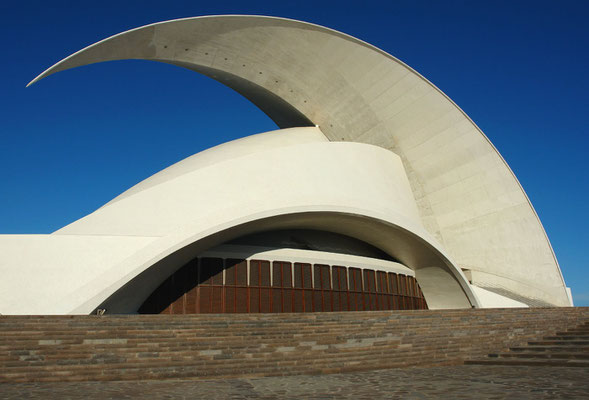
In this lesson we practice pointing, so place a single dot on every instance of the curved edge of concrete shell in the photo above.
(223, 193)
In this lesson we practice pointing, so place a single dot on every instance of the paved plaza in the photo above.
(458, 382)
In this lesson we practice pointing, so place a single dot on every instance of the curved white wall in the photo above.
(302, 174)
(297, 181)
(228, 151)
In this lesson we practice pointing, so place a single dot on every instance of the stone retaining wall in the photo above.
(75, 348)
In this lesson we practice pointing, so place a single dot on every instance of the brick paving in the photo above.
(457, 382)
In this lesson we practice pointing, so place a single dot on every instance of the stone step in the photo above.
(220, 319)
(115, 357)
(559, 343)
(125, 345)
(582, 349)
(209, 369)
(200, 368)
(560, 349)
(564, 356)
(78, 348)
(331, 353)
(188, 372)
(527, 362)
(72, 333)
(195, 329)
(181, 348)
(567, 337)
(47, 338)
(576, 329)
(43, 334)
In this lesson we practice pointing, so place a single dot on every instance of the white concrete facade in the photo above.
(382, 156)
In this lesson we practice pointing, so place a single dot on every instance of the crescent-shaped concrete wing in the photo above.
(301, 74)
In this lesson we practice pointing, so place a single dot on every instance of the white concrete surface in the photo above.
(489, 299)
(40, 271)
(297, 181)
(316, 173)
(228, 151)
(302, 74)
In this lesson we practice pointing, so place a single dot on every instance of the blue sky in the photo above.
(77, 139)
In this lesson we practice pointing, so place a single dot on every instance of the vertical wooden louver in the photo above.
(218, 285)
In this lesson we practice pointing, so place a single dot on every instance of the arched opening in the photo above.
(292, 270)
(442, 284)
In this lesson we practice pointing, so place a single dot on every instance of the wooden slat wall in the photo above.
(217, 285)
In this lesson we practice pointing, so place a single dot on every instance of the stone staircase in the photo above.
(139, 347)
(564, 349)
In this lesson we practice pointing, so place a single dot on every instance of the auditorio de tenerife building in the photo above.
(377, 192)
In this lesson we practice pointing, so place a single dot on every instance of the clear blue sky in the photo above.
(75, 140)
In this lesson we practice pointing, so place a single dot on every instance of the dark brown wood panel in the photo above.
(217, 285)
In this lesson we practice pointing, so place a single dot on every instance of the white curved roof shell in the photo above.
(292, 178)
(301, 74)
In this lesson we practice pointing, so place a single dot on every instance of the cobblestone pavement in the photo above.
(459, 382)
